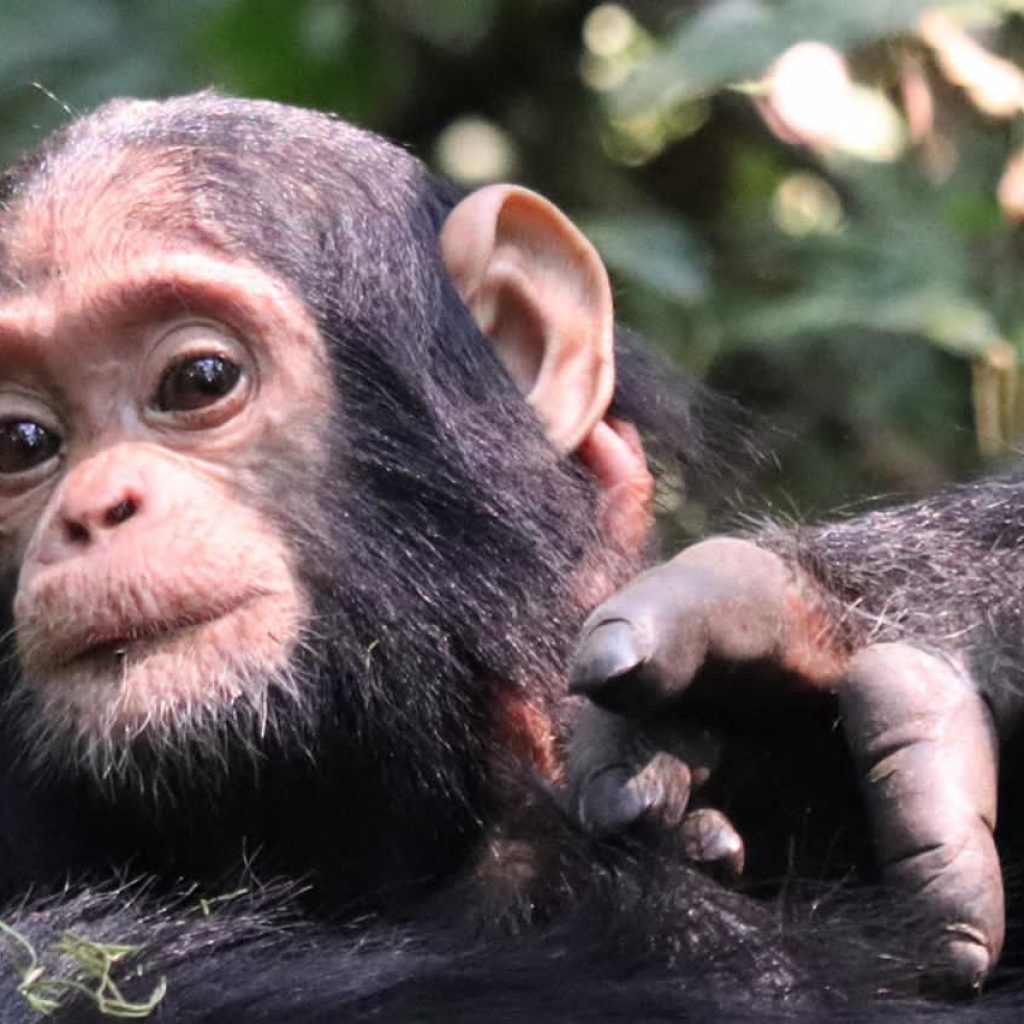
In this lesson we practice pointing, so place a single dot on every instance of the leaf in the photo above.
(952, 322)
(653, 250)
(737, 40)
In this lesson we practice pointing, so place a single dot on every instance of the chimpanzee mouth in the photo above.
(121, 643)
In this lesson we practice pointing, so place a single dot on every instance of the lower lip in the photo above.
(120, 647)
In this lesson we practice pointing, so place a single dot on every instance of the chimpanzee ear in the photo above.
(539, 290)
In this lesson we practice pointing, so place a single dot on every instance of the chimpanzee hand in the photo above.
(919, 733)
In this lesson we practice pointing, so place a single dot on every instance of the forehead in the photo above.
(81, 217)
(120, 237)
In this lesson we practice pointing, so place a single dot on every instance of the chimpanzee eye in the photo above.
(196, 382)
(25, 444)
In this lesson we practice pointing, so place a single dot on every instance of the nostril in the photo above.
(121, 512)
(76, 533)
(82, 530)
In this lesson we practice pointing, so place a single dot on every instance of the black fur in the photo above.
(442, 880)
(440, 546)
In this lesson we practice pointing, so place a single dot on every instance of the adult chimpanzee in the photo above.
(293, 575)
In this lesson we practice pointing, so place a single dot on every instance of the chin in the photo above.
(179, 695)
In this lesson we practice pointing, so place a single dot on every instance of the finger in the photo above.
(617, 797)
(606, 752)
(723, 598)
(610, 653)
(606, 803)
(926, 752)
(710, 838)
(616, 779)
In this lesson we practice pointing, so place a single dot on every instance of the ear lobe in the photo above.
(539, 291)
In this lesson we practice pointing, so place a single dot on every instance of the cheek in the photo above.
(18, 516)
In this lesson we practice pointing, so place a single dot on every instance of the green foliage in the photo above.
(655, 250)
(862, 291)
(80, 966)
(735, 41)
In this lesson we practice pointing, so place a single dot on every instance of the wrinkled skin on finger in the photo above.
(728, 632)
(925, 749)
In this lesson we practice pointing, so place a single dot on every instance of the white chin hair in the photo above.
(181, 700)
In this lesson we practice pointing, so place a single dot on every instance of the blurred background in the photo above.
(813, 204)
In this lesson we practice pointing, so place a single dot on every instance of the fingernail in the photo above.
(726, 848)
(964, 966)
(710, 838)
(608, 802)
(610, 651)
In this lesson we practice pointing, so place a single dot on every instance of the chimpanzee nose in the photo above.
(98, 496)
(84, 526)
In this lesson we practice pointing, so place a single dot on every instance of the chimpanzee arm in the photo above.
(902, 614)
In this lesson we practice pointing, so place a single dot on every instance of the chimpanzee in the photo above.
(292, 580)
